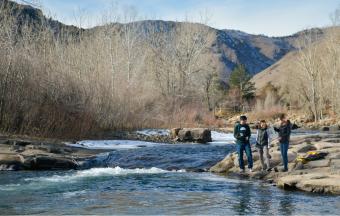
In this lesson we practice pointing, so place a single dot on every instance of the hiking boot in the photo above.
(242, 171)
(250, 170)
(269, 169)
(284, 170)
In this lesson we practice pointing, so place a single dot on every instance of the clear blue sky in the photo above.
(270, 17)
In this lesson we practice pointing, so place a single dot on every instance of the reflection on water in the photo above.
(152, 193)
(286, 205)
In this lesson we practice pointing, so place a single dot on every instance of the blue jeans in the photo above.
(244, 147)
(284, 153)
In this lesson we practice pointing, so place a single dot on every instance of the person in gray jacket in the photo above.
(262, 142)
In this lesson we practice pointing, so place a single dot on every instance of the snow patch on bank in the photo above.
(154, 132)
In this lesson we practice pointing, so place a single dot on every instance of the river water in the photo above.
(147, 178)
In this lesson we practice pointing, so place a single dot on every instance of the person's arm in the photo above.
(276, 129)
(236, 132)
(295, 126)
(268, 135)
(248, 133)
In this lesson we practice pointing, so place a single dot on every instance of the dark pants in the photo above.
(244, 147)
(284, 153)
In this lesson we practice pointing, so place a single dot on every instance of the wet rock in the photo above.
(324, 128)
(17, 148)
(22, 143)
(4, 141)
(49, 163)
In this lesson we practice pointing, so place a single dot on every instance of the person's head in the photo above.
(243, 120)
(263, 124)
(283, 118)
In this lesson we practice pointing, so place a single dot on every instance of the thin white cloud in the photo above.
(274, 18)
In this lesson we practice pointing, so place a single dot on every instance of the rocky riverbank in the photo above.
(318, 176)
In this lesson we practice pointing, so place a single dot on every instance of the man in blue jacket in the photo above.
(242, 135)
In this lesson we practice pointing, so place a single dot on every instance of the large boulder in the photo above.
(174, 132)
(200, 135)
(184, 135)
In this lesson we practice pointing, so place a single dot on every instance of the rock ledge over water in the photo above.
(40, 154)
(318, 176)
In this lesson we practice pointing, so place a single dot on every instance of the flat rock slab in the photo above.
(317, 164)
(316, 183)
(325, 145)
(335, 164)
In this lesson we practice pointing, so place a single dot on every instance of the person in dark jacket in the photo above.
(262, 142)
(284, 131)
(242, 135)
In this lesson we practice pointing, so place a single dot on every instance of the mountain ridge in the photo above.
(230, 47)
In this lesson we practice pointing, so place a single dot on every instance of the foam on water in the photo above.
(217, 178)
(220, 138)
(73, 193)
(99, 172)
(113, 144)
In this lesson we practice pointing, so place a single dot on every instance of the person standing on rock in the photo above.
(242, 135)
(284, 131)
(262, 142)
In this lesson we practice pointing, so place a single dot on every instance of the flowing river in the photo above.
(148, 178)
